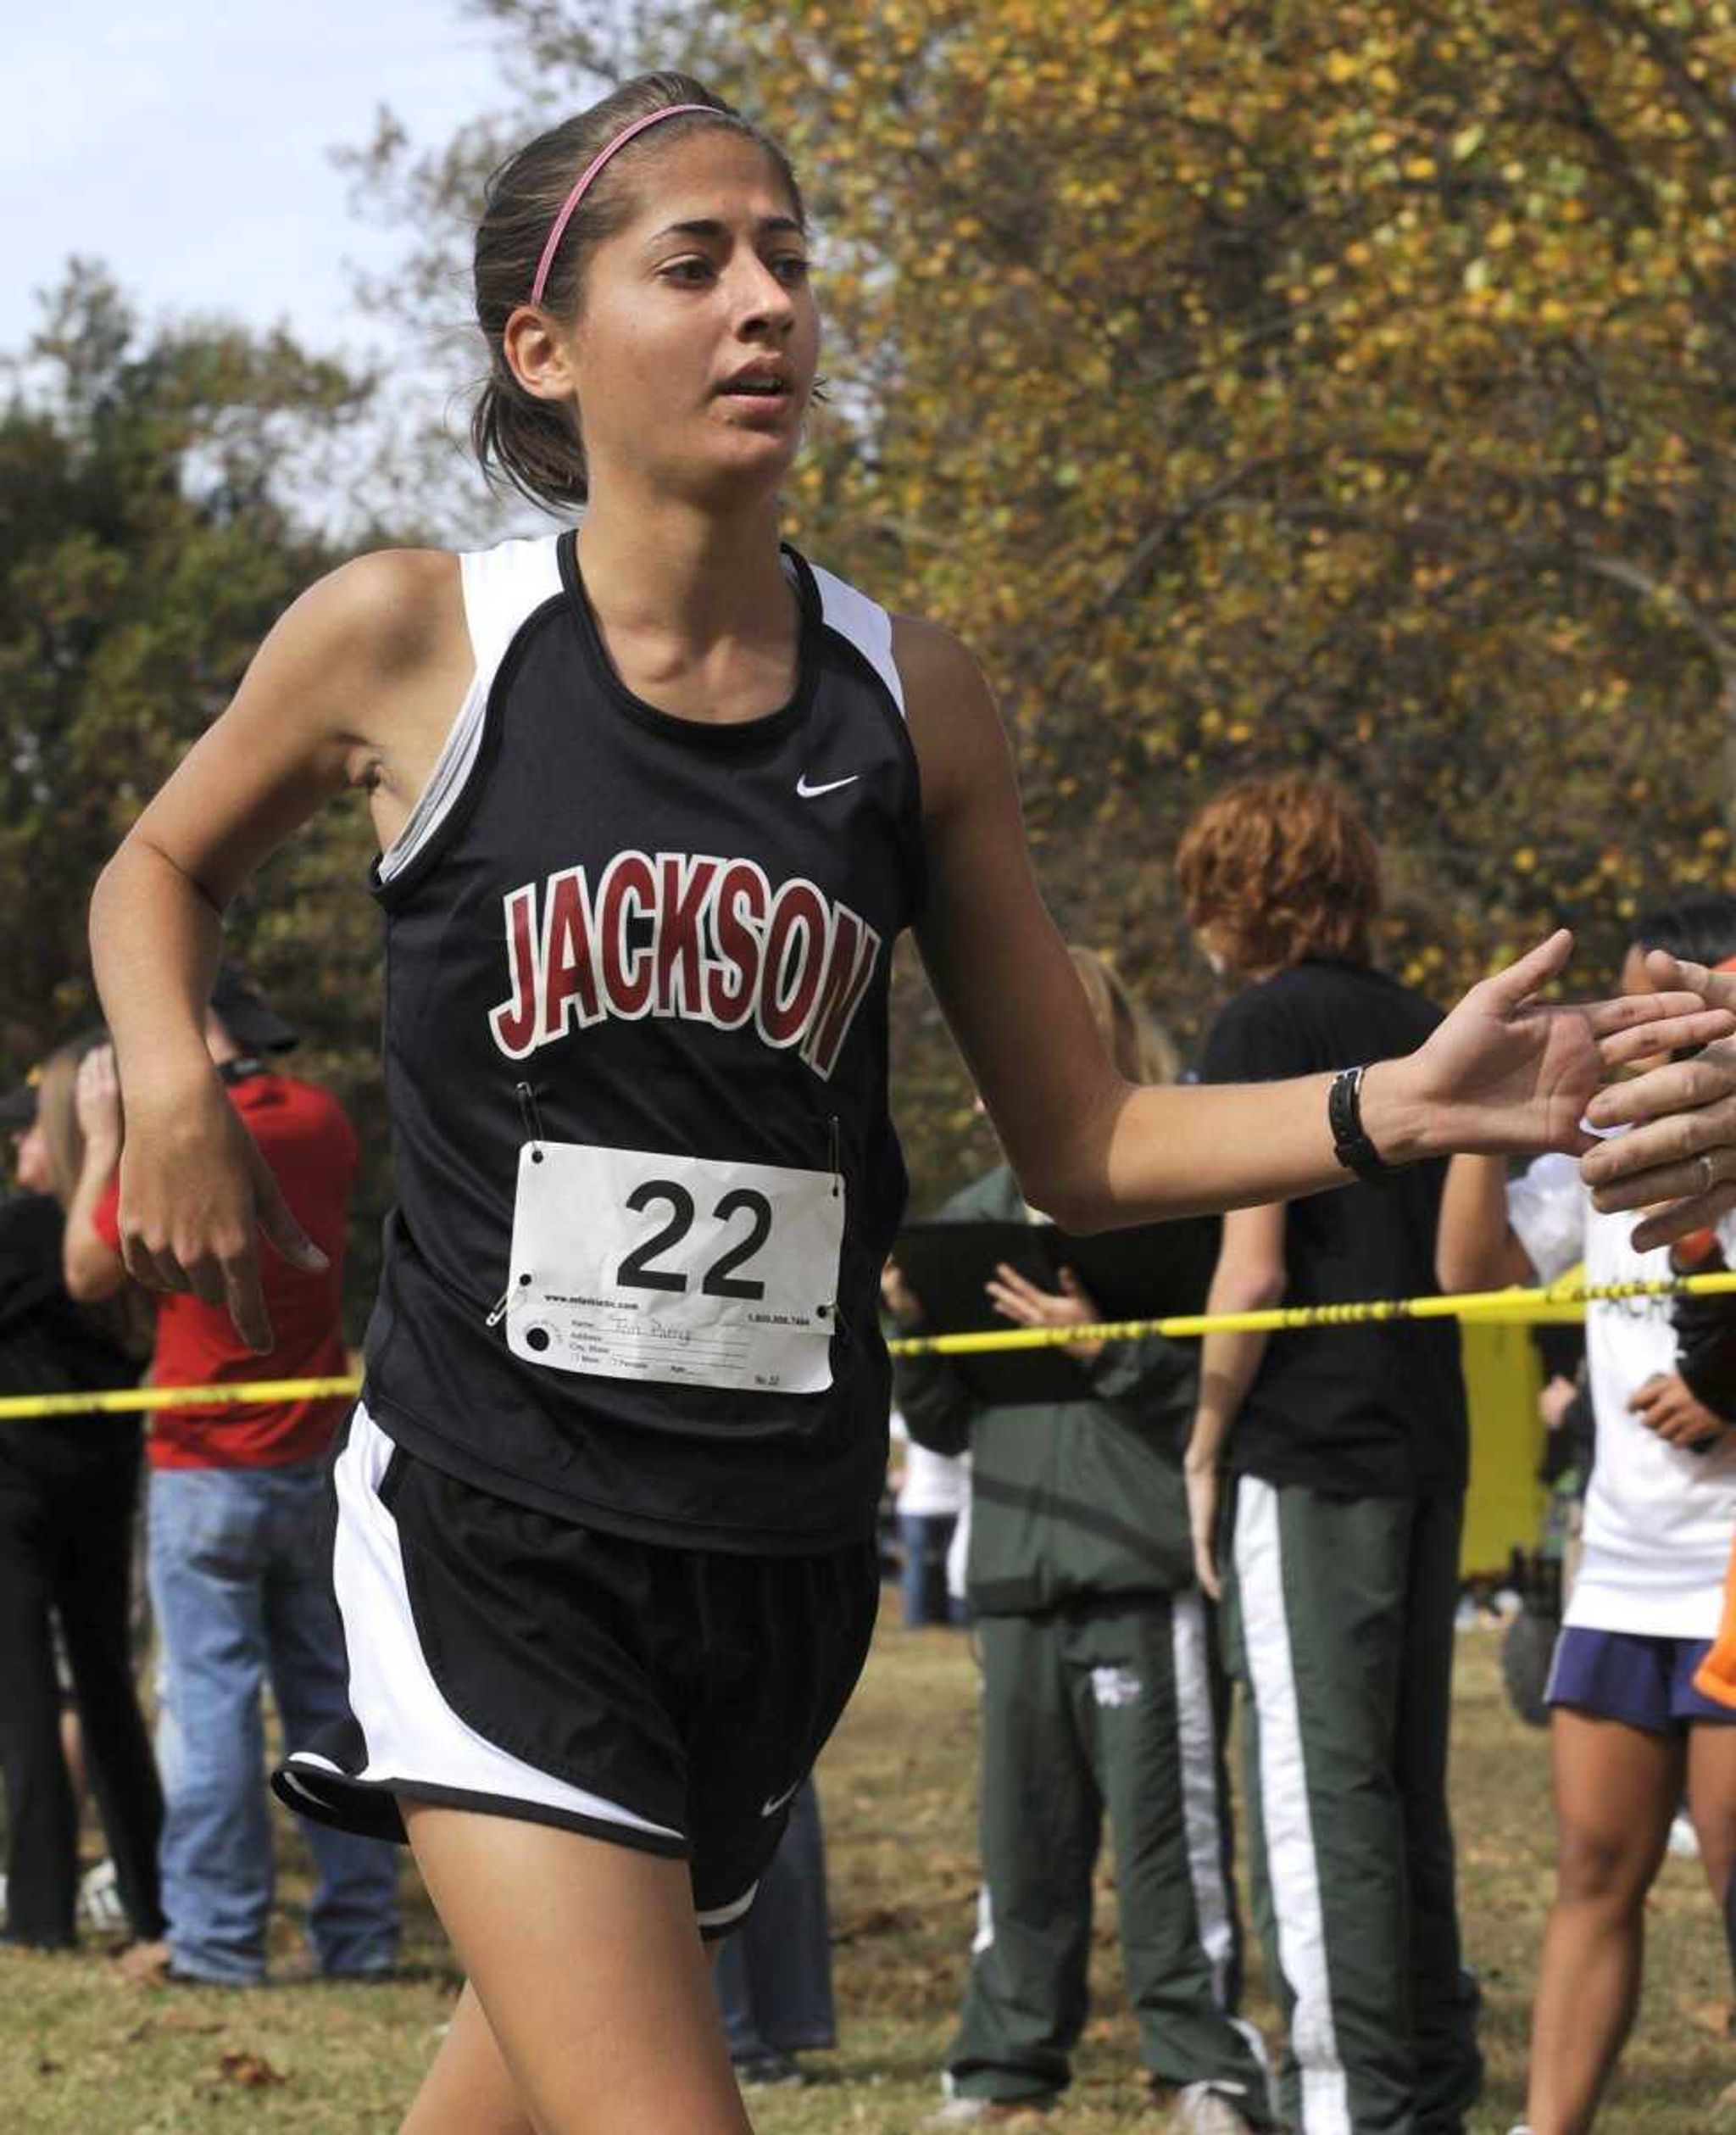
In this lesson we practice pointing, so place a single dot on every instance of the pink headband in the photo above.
(578, 193)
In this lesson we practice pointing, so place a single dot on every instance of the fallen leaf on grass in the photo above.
(46, 2067)
(877, 1920)
(186, 2020)
(252, 2070)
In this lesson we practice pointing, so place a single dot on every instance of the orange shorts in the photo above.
(1715, 1676)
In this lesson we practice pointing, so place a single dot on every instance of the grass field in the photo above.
(82, 2053)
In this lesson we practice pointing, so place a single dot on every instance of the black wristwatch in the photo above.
(1350, 1142)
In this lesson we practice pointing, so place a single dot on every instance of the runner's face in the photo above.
(695, 352)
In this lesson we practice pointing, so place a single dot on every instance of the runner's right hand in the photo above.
(195, 1195)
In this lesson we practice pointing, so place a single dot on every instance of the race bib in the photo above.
(628, 1264)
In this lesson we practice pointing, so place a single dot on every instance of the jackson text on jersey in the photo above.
(692, 935)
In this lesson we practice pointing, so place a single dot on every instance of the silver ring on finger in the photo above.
(1708, 1171)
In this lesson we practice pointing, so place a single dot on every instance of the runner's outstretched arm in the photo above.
(1502, 1073)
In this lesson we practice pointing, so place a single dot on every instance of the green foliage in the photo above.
(153, 526)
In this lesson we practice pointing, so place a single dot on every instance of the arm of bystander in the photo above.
(1249, 1277)
(93, 1267)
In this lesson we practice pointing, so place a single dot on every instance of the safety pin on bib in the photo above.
(532, 1119)
(506, 1302)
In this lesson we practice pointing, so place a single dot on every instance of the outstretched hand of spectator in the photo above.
(1679, 1160)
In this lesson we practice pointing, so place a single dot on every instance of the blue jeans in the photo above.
(773, 1976)
(241, 1591)
(924, 1539)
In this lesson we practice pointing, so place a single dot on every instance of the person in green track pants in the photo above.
(1101, 1693)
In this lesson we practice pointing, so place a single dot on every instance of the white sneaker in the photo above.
(99, 1905)
(1202, 2110)
(1684, 1841)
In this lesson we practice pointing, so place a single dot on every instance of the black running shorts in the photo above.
(508, 1661)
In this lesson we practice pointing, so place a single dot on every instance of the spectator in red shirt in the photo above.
(238, 1577)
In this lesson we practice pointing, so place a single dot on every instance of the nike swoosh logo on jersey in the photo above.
(813, 793)
(771, 1807)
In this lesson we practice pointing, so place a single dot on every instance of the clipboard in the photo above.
(1152, 1271)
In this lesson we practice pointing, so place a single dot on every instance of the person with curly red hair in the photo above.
(1346, 1452)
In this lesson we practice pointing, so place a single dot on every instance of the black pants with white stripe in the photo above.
(1339, 1630)
(1116, 1706)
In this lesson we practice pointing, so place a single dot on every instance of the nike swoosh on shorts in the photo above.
(813, 793)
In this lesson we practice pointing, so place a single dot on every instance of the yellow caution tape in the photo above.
(1511, 1308)
(140, 1400)
(1515, 1307)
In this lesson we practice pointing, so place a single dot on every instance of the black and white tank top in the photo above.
(636, 1055)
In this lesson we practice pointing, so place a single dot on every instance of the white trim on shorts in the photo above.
(416, 1744)
(722, 1916)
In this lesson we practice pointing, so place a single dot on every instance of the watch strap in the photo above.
(1350, 1143)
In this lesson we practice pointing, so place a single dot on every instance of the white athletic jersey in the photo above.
(1659, 1520)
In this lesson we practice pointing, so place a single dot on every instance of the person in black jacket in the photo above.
(1338, 1457)
(68, 1487)
(1101, 1691)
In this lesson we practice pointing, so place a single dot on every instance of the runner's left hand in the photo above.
(1505, 1075)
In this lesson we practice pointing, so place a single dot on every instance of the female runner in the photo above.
(654, 801)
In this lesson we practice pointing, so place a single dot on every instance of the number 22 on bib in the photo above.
(631, 1264)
